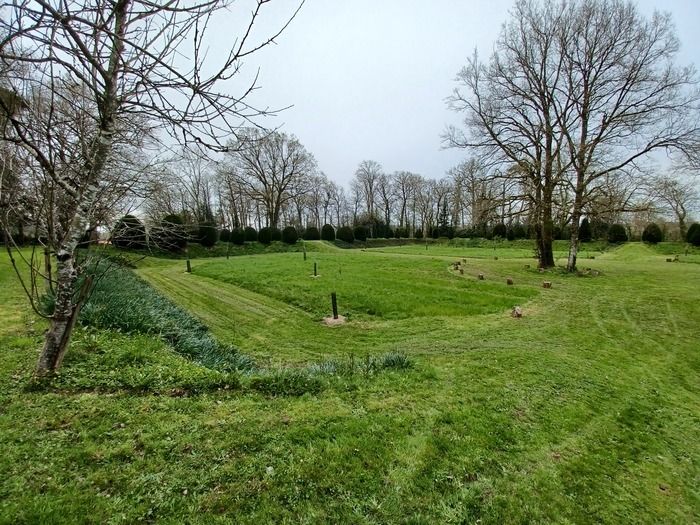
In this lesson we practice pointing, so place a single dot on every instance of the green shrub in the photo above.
(171, 235)
(251, 235)
(289, 235)
(275, 233)
(265, 235)
(238, 237)
(225, 235)
(286, 383)
(360, 233)
(327, 233)
(312, 234)
(345, 234)
(499, 231)
(207, 234)
(585, 234)
(652, 234)
(599, 229)
(129, 232)
(617, 234)
(693, 234)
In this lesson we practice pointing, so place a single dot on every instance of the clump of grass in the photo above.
(367, 365)
(286, 382)
(124, 302)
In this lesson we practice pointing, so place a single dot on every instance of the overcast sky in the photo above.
(368, 78)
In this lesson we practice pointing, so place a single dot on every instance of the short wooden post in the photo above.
(303, 245)
(546, 284)
(334, 304)
(509, 281)
(481, 276)
(315, 271)
(189, 266)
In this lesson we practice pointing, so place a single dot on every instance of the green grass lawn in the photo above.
(586, 410)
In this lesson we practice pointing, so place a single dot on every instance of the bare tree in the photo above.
(675, 196)
(624, 96)
(509, 106)
(272, 168)
(98, 75)
(577, 91)
(367, 177)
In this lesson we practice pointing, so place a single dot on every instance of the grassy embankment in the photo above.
(584, 410)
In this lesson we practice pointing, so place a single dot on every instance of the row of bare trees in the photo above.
(575, 94)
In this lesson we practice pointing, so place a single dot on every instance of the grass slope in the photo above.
(583, 411)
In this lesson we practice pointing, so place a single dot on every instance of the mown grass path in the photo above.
(586, 410)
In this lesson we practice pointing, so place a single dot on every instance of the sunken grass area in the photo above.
(586, 410)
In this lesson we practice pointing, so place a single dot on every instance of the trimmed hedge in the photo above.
(265, 235)
(617, 234)
(345, 234)
(327, 233)
(312, 234)
(693, 234)
(499, 230)
(172, 235)
(290, 235)
(207, 234)
(238, 237)
(360, 233)
(129, 232)
(652, 234)
(251, 235)
(585, 233)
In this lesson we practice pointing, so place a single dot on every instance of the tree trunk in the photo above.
(575, 226)
(57, 339)
(546, 251)
(573, 248)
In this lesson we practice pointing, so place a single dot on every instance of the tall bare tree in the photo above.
(509, 106)
(624, 97)
(99, 74)
(674, 195)
(273, 168)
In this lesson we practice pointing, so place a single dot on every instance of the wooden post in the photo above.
(189, 266)
(303, 244)
(481, 276)
(546, 284)
(334, 304)
(509, 281)
(315, 272)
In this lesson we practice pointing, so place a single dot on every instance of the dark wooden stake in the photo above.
(315, 274)
(304, 247)
(189, 266)
(334, 304)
